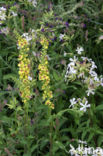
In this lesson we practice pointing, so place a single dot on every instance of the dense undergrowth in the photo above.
(51, 78)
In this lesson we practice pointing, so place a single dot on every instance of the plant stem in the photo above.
(51, 139)
(51, 131)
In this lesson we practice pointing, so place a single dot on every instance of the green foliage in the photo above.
(37, 130)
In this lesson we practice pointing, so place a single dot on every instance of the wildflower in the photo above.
(93, 65)
(65, 54)
(84, 106)
(83, 68)
(24, 69)
(79, 50)
(85, 151)
(30, 78)
(93, 73)
(73, 102)
(74, 60)
(42, 30)
(90, 91)
(61, 36)
(82, 142)
(79, 104)
(72, 150)
(67, 24)
(14, 14)
(34, 2)
(5, 30)
(27, 37)
(101, 80)
(72, 70)
(22, 43)
(2, 14)
(44, 74)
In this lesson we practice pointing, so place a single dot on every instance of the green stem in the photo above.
(26, 132)
(51, 132)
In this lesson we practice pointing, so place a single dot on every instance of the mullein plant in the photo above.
(24, 70)
(44, 73)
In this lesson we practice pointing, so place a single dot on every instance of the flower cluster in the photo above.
(81, 104)
(24, 69)
(84, 150)
(83, 68)
(2, 15)
(44, 74)
(22, 42)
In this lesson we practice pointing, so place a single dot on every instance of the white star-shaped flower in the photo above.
(84, 106)
(74, 60)
(79, 50)
(90, 91)
(73, 102)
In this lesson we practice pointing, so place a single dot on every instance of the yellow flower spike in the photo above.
(44, 74)
(24, 69)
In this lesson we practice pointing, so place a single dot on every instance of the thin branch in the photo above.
(8, 152)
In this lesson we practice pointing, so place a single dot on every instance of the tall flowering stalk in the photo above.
(44, 74)
(24, 70)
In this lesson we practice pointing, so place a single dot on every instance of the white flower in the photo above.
(14, 14)
(82, 142)
(34, 2)
(5, 30)
(81, 75)
(30, 78)
(3, 17)
(84, 58)
(96, 79)
(93, 65)
(27, 37)
(90, 91)
(34, 53)
(91, 81)
(93, 73)
(101, 37)
(2, 14)
(74, 60)
(2, 9)
(65, 54)
(71, 64)
(72, 71)
(48, 57)
(85, 151)
(72, 150)
(101, 80)
(73, 102)
(61, 36)
(84, 106)
(79, 50)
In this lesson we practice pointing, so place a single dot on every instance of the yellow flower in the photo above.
(24, 69)
(22, 42)
(44, 74)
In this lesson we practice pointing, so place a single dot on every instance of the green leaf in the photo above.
(99, 108)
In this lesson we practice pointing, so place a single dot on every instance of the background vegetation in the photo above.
(39, 130)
